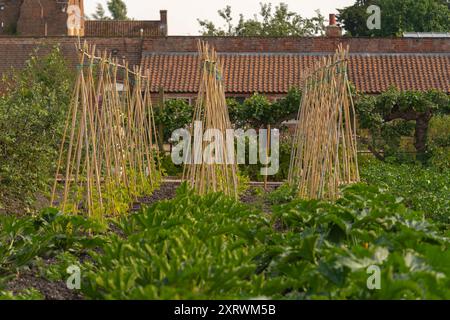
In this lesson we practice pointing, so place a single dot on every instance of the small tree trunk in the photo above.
(421, 134)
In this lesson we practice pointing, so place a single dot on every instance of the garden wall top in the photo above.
(268, 65)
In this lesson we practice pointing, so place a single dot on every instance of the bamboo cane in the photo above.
(324, 153)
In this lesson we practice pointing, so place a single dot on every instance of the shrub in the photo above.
(253, 171)
(258, 112)
(169, 168)
(32, 119)
(177, 113)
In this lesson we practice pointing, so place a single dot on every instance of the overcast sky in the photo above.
(183, 14)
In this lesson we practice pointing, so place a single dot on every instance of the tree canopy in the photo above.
(397, 16)
(278, 21)
(100, 13)
(394, 114)
(117, 9)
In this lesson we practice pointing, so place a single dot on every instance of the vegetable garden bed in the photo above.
(185, 246)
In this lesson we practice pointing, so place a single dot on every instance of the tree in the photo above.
(118, 9)
(397, 16)
(278, 22)
(100, 13)
(394, 114)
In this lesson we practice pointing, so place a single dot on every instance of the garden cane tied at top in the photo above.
(324, 154)
(108, 151)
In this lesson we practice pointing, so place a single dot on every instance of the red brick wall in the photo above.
(14, 51)
(299, 45)
(9, 16)
(39, 18)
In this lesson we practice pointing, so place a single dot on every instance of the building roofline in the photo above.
(336, 39)
(287, 53)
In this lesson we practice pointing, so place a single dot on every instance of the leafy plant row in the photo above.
(215, 248)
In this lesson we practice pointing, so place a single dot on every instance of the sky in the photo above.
(183, 14)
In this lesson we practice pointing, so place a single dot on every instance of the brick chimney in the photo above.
(163, 22)
(333, 30)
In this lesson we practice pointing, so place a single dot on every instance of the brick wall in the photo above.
(14, 51)
(9, 16)
(297, 44)
(37, 18)
(44, 17)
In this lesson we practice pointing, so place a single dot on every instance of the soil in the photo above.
(49, 289)
(167, 191)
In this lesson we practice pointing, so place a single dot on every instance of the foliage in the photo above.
(58, 269)
(253, 171)
(439, 141)
(29, 294)
(269, 23)
(440, 157)
(287, 108)
(118, 9)
(100, 13)
(328, 248)
(388, 117)
(23, 240)
(283, 194)
(235, 112)
(424, 189)
(215, 248)
(177, 114)
(32, 119)
(169, 168)
(258, 111)
(397, 16)
(189, 247)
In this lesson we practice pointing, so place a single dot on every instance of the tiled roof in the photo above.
(114, 28)
(275, 73)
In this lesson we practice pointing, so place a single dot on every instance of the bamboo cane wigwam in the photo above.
(324, 154)
(212, 111)
(108, 155)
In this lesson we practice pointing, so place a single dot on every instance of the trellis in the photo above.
(324, 154)
(108, 155)
(212, 111)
